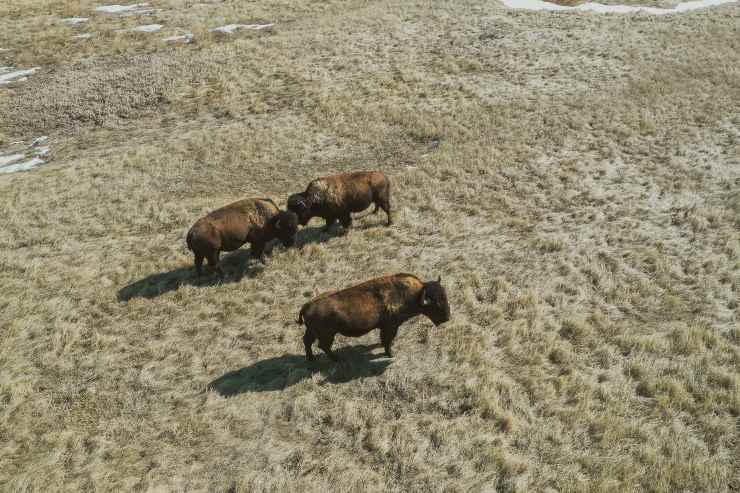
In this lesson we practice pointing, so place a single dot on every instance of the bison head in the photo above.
(433, 301)
(299, 204)
(286, 226)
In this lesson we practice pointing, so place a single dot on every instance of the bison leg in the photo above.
(385, 204)
(308, 339)
(329, 222)
(325, 343)
(213, 262)
(383, 200)
(387, 334)
(258, 251)
(199, 263)
(346, 221)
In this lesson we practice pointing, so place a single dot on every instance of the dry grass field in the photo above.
(574, 179)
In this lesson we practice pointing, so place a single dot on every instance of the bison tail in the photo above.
(189, 240)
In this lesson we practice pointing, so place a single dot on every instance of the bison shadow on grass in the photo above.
(236, 266)
(318, 234)
(283, 371)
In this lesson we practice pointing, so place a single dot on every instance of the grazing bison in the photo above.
(256, 221)
(383, 303)
(336, 197)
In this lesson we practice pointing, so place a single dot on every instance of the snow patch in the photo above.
(185, 38)
(232, 28)
(84, 36)
(34, 156)
(5, 160)
(18, 75)
(75, 21)
(24, 166)
(149, 28)
(133, 9)
(37, 142)
(615, 9)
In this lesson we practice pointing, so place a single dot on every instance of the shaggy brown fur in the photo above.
(382, 303)
(256, 221)
(336, 197)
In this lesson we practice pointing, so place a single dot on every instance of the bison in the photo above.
(256, 221)
(383, 303)
(336, 197)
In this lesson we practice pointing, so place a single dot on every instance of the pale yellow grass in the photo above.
(573, 178)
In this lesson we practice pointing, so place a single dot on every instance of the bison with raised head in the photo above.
(256, 221)
(336, 197)
(383, 303)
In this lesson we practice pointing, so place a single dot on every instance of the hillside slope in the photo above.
(574, 179)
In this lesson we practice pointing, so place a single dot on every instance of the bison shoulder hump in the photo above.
(327, 190)
(266, 208)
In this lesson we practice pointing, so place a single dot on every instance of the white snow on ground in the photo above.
(185, 38)
(5, 160)
(43, 151)
(75, 21)
(149, 28)
(616, 9)
(19, 75)
(84, 36)
(232, 28)
(136, 8)
(10, 163)
(24, 166)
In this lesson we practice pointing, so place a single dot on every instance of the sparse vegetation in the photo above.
(573, 178)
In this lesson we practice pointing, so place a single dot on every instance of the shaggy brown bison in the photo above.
(256, 221)
(383, 303)
(336, 197)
